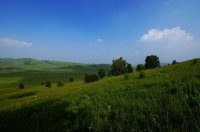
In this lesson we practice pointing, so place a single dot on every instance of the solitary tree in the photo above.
(129, 68)
(152, 61)
(102, 73)
(174, 62)
(118, 66)
(140, 67)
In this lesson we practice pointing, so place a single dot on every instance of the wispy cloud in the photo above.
(99, 40)
(14, 42)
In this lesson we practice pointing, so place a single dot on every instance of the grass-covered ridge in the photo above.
(47, 65)
(165, 99)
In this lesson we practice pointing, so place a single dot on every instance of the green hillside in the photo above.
(33, 64)
(164, 99)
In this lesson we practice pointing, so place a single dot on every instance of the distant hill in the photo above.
(34, 64)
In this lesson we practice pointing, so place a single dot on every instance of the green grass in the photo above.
(164, 99)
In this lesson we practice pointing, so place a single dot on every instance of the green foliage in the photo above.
(102, 73)
(152, 61)
(141, 74)
(91, 78)
(71, 79)
(129, 68)
(140, 67)
(174, 62)
(21, 86)
(48, 84)
(118, 66)
(59, 84)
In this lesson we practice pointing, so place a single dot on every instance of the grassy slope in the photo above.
(167, 99)
(33, 64)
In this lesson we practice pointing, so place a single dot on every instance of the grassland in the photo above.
(166, 99)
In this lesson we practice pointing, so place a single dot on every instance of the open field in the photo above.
(166, 99)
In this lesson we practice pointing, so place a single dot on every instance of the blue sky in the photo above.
(97, 31)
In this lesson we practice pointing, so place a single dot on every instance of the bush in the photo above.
(21, 86)
(91, 78)
(48, 84)
(140, 67)
(102, 73)
(59, 84)
(141, 75)
(71, 79)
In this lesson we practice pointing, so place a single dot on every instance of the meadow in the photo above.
(163, 99)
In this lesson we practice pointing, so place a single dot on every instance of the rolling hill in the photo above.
(46, 65)
(163, 99)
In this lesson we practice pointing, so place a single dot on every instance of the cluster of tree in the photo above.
(91, 78)
(120, 66)
(151, 62)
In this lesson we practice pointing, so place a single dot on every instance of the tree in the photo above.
(140, 67)
(174, 62)
(102, 73)
(152, 61)
(118, 66)
(21, 86)
(129, 68)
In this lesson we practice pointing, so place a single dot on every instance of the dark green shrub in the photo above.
(102, 73)
(21, 86)
(91, 78)
(141, 75)
(140, 67)
(48, 84)
(71, 79)
(174, 62)
(59, 84)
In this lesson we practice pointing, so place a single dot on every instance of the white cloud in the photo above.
(172, 35)
(13, 42)
(169, 44)
(99, 40)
